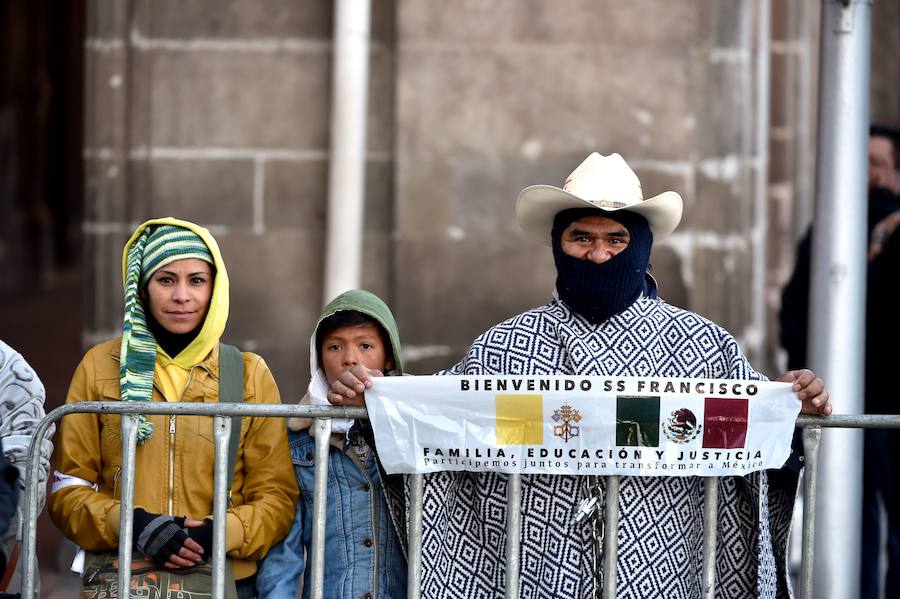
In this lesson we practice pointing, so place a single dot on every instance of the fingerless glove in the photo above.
(159, 537)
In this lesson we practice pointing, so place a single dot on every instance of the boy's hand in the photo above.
(349, 388)
(810, 390)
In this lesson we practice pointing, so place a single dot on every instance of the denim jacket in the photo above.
(363, 557)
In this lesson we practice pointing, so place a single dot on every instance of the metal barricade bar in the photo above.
(221, 436)
(130, 411)
(320, 493)
(611, 536)
(414, 540)
(812, 435)
(126, 507)
(710, 531)
(513, 530)
(850, 421)
(221, 414)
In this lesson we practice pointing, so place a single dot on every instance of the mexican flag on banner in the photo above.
(581, 425)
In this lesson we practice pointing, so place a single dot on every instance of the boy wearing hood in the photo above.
(365, 558)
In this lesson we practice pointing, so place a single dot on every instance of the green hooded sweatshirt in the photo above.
(366, 303)
(369, 304)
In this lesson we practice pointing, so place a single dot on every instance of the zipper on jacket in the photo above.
(116, 480)
(171, 510)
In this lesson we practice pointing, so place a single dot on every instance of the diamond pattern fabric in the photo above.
(661, 519)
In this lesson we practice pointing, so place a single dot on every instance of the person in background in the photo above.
(881, 454)
(364, 553)
(883, 207)
(176, 308)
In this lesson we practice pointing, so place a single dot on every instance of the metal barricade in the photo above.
(222, 413)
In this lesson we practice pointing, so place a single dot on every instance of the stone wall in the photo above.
(218, 112)
(792, 138)
(493, 97)
(884, 87)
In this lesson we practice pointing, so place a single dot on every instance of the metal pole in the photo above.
(320, 495)
(804, 108)
(347, 166)
(837, 290)
(710, 528)
(851, 421)
(611, 536)
(275, 411)
(29, 559)
(126, 507)
(29, 538)
(812, 435)
(513, 533)
(414, 542)
(761, 165)
(221, 436)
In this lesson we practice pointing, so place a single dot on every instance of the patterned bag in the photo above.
(149, 581)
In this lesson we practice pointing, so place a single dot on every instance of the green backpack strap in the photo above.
(231, 390)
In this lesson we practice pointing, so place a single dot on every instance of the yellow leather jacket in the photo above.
(175, 466)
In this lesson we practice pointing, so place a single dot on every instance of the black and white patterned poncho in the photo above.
(661, 523)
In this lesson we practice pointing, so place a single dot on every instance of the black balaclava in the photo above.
(600, 291)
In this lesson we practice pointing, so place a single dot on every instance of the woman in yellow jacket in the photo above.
(176, 307)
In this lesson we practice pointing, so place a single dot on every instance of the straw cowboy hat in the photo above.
(603, 182)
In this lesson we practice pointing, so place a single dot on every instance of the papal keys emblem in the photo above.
(681, 426)
(568, 419)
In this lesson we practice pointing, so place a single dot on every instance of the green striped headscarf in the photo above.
(153, 249)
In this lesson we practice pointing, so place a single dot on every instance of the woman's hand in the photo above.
(165, 540)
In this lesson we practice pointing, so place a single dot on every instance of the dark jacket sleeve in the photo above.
(882, 328)
(794, 315)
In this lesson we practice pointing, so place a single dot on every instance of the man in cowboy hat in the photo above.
(605, 320)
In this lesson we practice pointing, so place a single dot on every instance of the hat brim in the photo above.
(538, 205)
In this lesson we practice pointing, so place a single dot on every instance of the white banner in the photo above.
(581, 425)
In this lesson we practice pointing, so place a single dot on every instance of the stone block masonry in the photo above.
(218, 112)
